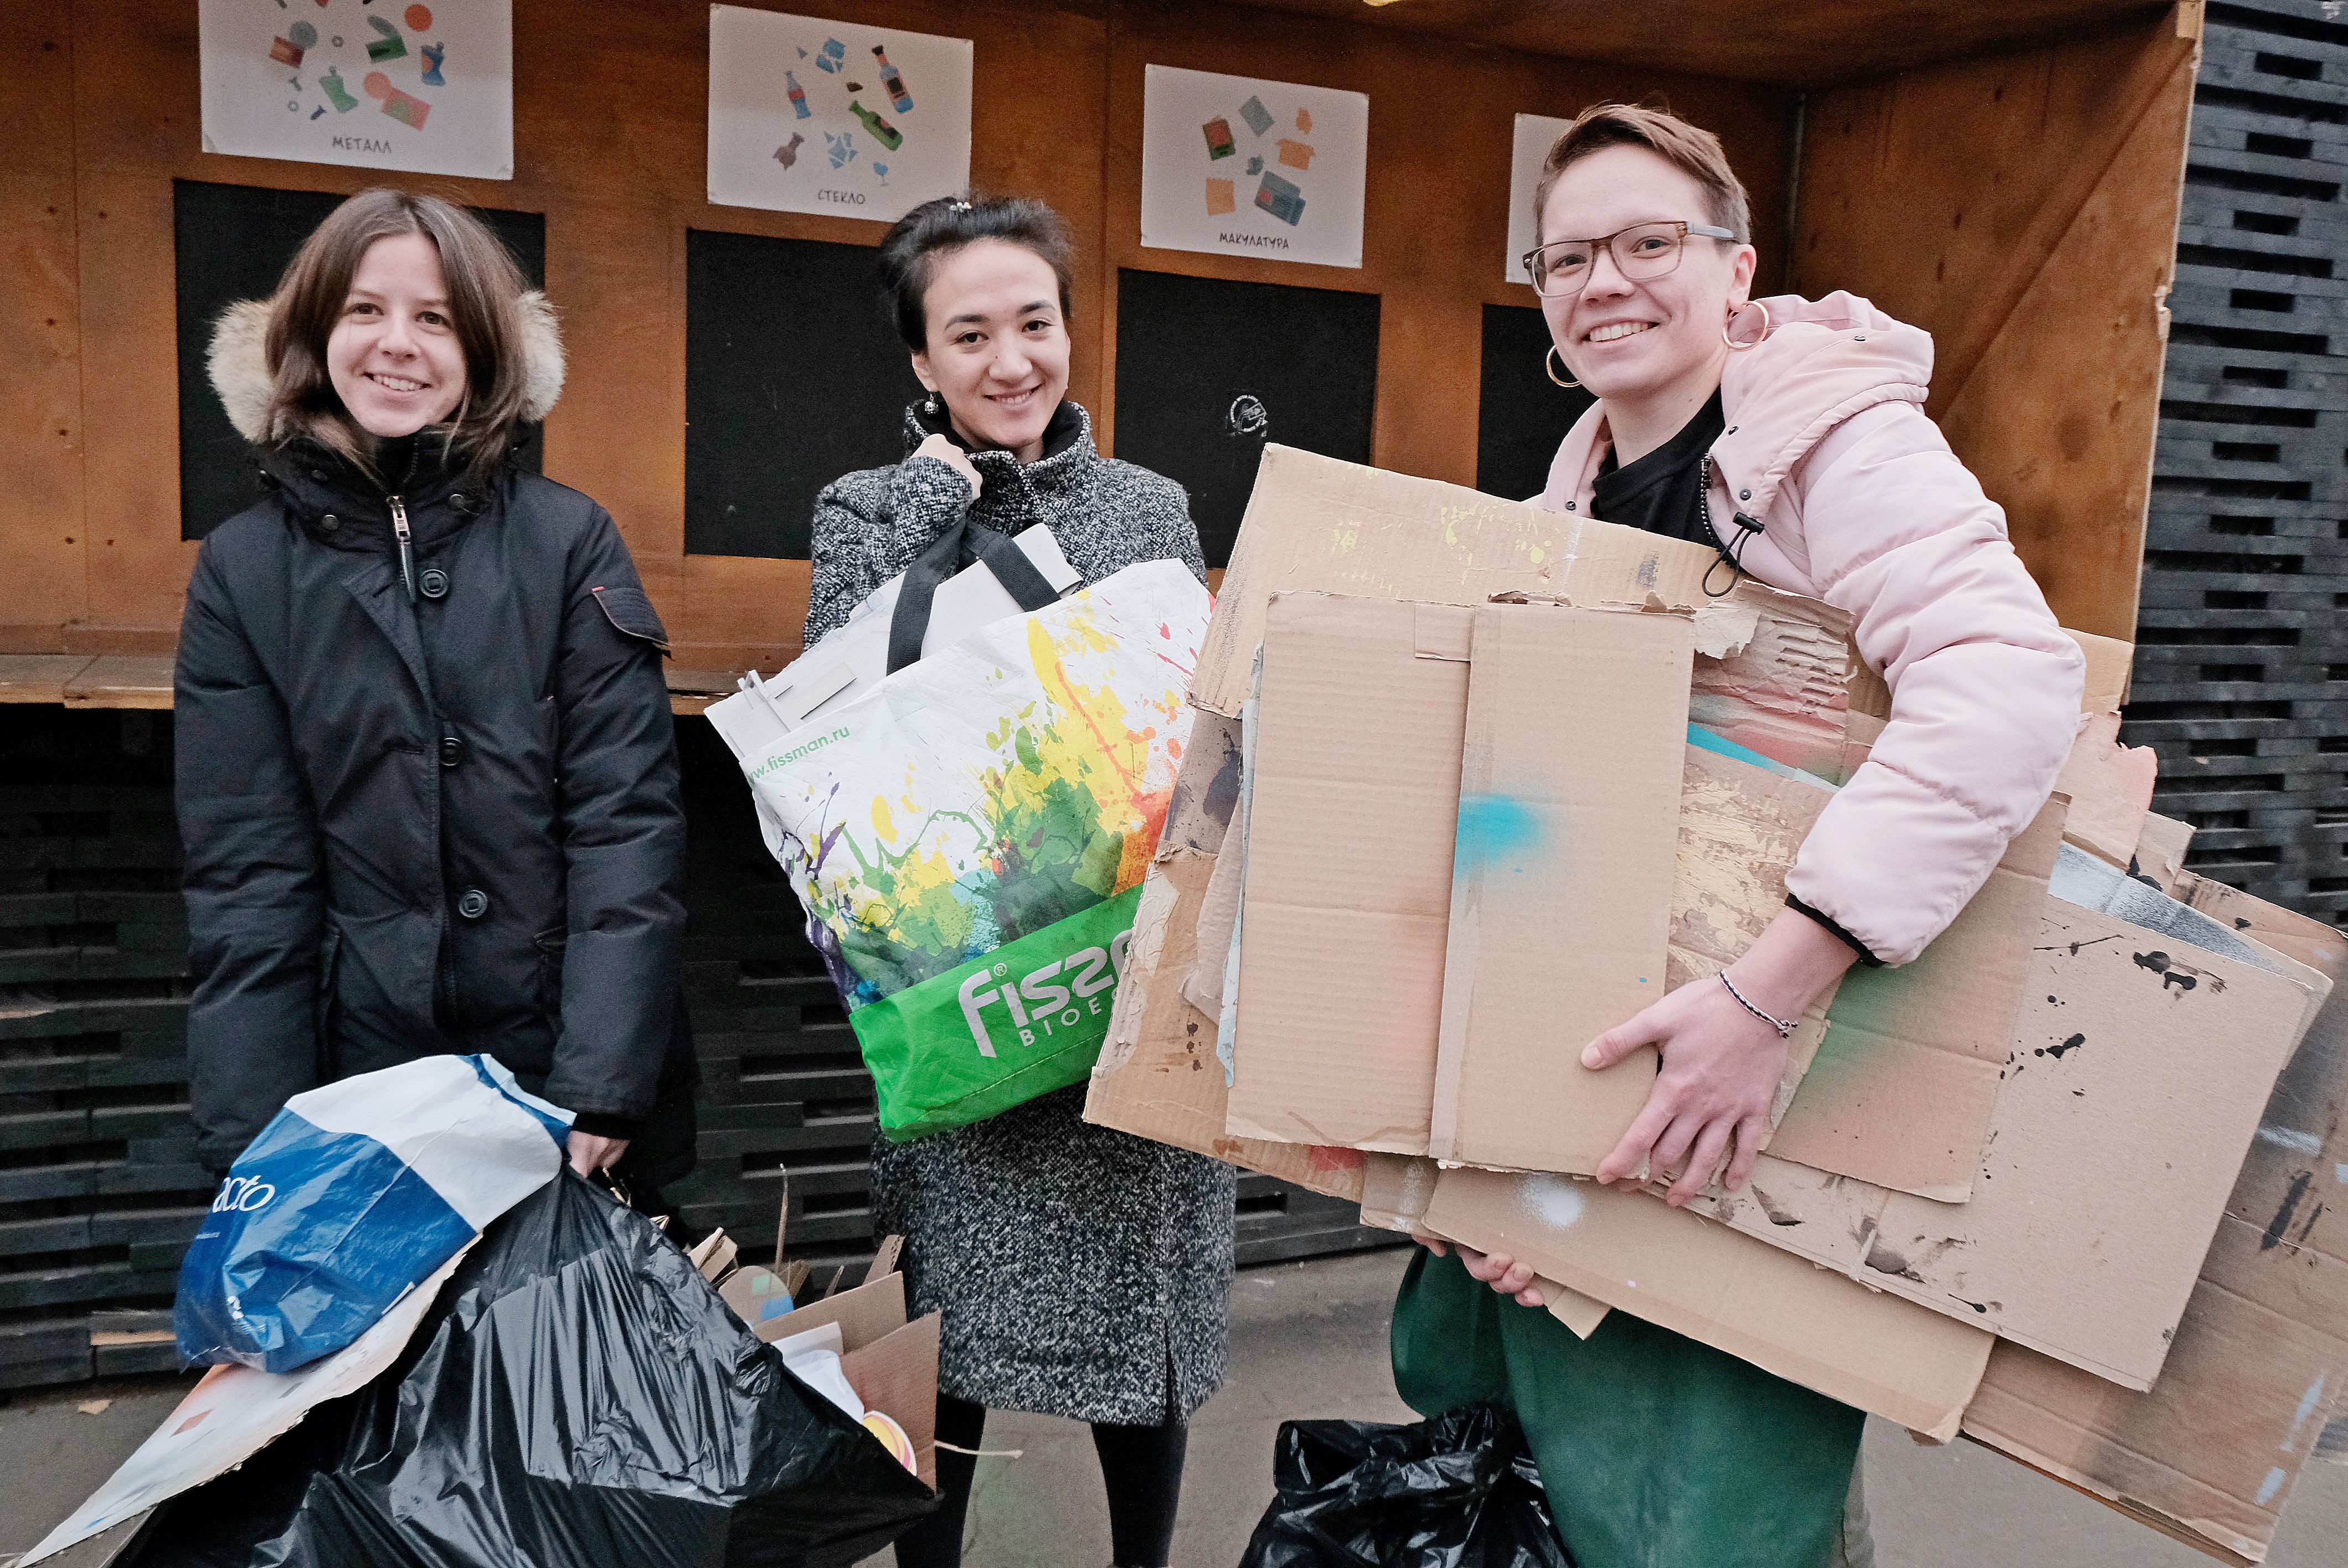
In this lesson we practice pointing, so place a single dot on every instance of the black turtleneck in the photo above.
(1060, 432)
(1663, 492)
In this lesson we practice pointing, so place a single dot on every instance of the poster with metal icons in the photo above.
(426, 88)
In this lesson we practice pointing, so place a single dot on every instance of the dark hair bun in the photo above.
(910, 251)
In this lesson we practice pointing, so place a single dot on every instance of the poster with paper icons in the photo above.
(814, 115)
(425, 87)
(1536, 133)
(1240, 167)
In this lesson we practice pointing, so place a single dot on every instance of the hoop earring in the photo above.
(1732, 342)
(1547, 365)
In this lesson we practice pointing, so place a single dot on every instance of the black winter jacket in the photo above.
(444, 823)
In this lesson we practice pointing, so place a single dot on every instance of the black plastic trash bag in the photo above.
(1458, 1492)
(578, 1395)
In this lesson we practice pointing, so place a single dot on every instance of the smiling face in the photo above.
(1632, 341)
(997, 352)
(393, 357)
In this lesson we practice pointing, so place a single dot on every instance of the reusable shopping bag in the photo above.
(968, 839)
(352, 1195)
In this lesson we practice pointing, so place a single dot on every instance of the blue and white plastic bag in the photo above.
(352, 1194)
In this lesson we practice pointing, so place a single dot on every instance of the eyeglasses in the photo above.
(1643, 251)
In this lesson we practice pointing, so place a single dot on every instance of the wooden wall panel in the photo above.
(2036, 247)
(42, 541)
(1442, 117)
(1954, 230)
(43, 545)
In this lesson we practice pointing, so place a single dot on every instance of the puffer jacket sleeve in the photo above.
(1985, 685)
(622, 827)
(255, 895)
(870, 526)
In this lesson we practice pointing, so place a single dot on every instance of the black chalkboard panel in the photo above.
(793, 376)
(232, 243)
(1208, 370)
(1521, 415)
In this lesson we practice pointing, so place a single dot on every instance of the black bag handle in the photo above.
(909, 621)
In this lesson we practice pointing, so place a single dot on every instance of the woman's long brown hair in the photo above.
(484, 290)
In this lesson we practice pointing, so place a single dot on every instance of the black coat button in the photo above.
(432, 582)
(452, 750)
(329, 523)
(472, 904)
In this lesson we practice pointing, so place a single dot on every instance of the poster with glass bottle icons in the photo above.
(808, 115)
(425, 86)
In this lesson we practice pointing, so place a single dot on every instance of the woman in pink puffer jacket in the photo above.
(1790, 434)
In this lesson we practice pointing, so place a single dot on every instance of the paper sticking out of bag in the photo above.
(852, 659)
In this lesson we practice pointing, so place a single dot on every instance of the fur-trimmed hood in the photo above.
(239, 364)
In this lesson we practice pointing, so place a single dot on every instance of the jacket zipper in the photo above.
(407, 555)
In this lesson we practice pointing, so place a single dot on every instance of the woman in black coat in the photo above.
(427, 773)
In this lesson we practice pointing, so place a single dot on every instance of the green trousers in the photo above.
(1657, 1452)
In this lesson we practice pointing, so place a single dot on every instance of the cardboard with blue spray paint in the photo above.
(1562, 882)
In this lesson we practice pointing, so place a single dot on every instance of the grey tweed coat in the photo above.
(1082, 1272)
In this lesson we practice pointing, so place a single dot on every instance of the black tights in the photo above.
(1141, 1466)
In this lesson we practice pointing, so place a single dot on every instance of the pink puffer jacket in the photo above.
(1866, 507)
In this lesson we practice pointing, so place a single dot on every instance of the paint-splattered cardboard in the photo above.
(1933, 1034)
(1623, 1248)
(2135, 1081)
(1339, 1029)
(2260, 1363)
(1562, 881)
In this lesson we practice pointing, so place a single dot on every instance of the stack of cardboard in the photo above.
(1510, 774)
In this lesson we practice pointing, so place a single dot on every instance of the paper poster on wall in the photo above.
(425, 87)
(1240, 167)
(1536, 133)
(813, 116)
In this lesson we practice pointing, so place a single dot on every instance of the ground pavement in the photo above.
(1307, 1341)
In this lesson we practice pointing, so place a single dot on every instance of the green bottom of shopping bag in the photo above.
(1026, 1018)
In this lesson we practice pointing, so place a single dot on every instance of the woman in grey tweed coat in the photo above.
(1082, 1272)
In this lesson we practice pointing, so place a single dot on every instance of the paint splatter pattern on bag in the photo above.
(993, 790)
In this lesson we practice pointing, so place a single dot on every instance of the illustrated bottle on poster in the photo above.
(884, 133)
(894, 81)
(799, 94)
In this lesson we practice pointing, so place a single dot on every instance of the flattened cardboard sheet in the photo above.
(1902, 1090)
(2110, 789)
(2138, 1071)
(1315, 522)
(1631, 1251)
(1772, 675)
(1157, 1077)
(1561, 880)
(2261, 1358)
(1350, 838)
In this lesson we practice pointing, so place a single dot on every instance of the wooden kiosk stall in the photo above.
(2006, 175)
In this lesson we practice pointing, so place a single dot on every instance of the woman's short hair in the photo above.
(484, 298)
(1690, 148)
(910, 251)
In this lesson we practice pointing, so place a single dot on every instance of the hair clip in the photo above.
(959, 206)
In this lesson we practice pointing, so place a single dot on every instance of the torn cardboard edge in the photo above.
(235, 1411)
(1623, 1248)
